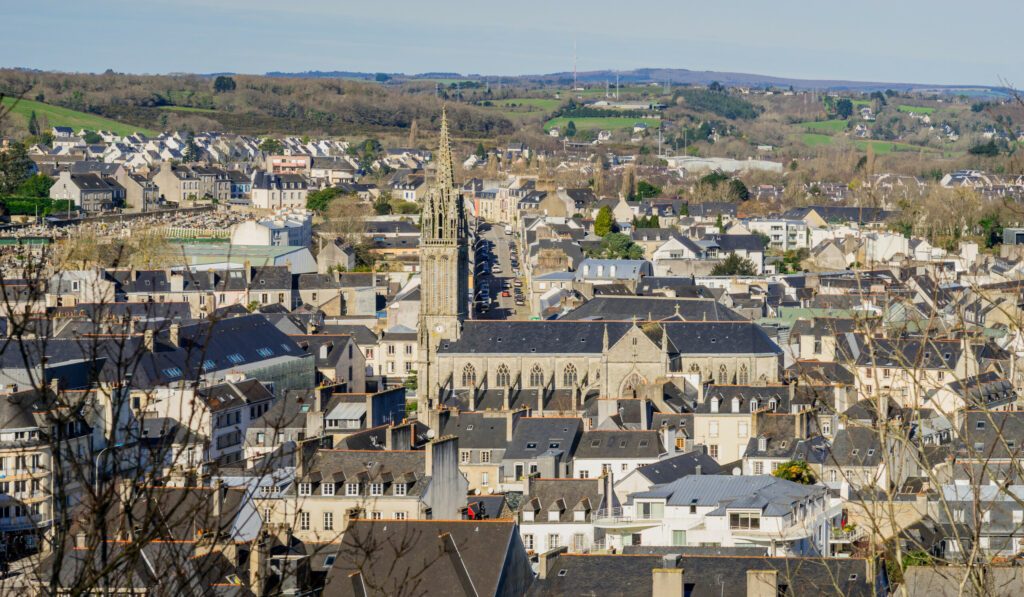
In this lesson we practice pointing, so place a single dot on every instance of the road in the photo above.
(505, 307)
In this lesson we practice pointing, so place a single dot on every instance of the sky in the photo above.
(899, 41)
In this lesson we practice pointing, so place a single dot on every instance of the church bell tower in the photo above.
(444, 275)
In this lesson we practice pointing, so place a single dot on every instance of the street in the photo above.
(495, 247)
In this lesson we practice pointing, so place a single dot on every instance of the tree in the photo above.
(619, 246)
(36, 186)
(92, 138)
(33, 124)
(191, 153)
(480, 151)
(318, 201)
(381, 77)
(734, 265)
(271, 146)
(570, 129)
(844, 108)
(223, 84)
(739, 190)
(604, 222)
(15, 168)
(645, 190)
(414, 130)
(989, 149)
(796, 471)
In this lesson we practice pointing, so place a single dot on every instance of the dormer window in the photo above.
(400, 489)
(351, 489)
(305, 489)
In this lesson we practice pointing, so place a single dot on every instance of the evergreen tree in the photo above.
(33, 124)
(15, 168)
(604, 222)
(734, 265)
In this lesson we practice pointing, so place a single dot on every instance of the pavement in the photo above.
(505, 307)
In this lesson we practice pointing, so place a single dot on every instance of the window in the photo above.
(713, 429)
(826, 427)
(758, 468)
(351, 489)
(303, 521)
(375, 516)
(327, 489)
(713, 450)
(465, 456)
(528, 541)
(400, 489)
(1018, 516)
(817, 345)
(485, 478)
(399, 515)
(485, 456)
(408, 349)
(723, 374)
(569, 376)
(305, 489)
(584, 474)
(680, 443)
(536, 376)
(743, 377)
(744, 429)
(744, 521)
(376, 489)
(554, 540)
(468, 376)
(502, 378)
(678, 538)
(328, 521)
(832, 475)
(579, 541)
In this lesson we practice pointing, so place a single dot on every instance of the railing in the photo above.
(619, 515)
(845, 536)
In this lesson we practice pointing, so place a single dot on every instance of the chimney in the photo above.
(667, 582)
(148, 340)
(399, 437)
(81, 540)
(218, 503)
(248, 272)
(175, 334)
(762, 583)
(55, 386)
(257, 565)
(667, 440)
(546, 561)
(698, 470)
(442, 465)
(644, 417)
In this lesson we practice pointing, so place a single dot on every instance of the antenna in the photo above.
(574, 64)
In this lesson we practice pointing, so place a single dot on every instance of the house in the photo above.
(483, 439)
(786, 518)
(541, 446)
(481, 557)
(88, 192)
(278, 191)
(616, 451)
(558, 513)
(286, 228)
(613, 271)
(665, 471)
(140, 193)
(338, 360)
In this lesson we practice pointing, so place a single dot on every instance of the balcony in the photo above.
(846, 535)
(617, 518)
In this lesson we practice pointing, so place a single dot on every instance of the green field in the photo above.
(918, 109)
(595, 123)
(187, 109)
(831, 126)
(546, 104)
(880, 147)
(57, 116)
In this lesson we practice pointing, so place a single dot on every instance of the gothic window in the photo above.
(468, 376)
(536, 376)
(743, 378)
(503, 376)
(569, 376)
(694, 368)
(723, 375)
(631, 384)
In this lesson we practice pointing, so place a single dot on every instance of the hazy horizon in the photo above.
(872, 41)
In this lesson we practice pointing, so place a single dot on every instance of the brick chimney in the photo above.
(175, 334)
(667, 582)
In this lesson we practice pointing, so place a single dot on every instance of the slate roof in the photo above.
(676, 467)
(477, 431)
(535, 435)
(771, 495)
(407, 558)
(620, 444)
(610, 308)
(856, 447)
(565, 496)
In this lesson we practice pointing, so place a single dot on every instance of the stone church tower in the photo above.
(444, 275)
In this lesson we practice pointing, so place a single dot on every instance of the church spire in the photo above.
(445, 167)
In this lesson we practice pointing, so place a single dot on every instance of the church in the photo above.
(556, 366)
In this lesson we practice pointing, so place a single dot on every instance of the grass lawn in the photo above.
(918, 109)
(601, 123)
(187, 109)
(831, 126)
(862, 102)
(57, 116)
(816, 139)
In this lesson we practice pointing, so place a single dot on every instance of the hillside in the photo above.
(58, 116)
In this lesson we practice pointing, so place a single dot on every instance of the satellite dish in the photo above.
(490, 491)
(736, 471)
(430, 434)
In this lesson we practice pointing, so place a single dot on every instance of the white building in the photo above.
(786, 518)
(286, 228)
(784, 235)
